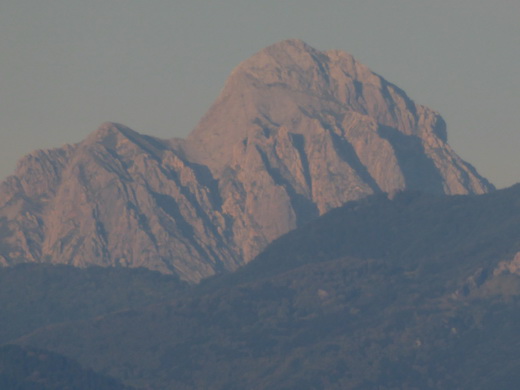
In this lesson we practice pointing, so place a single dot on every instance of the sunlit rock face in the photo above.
(294, 133)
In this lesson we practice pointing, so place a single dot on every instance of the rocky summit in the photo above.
(294, 133)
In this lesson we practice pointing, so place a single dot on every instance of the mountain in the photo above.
(413, 291)
(294, 133)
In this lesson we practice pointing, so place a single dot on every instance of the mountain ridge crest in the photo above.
(294, 133)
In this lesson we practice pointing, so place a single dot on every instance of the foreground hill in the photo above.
(294, 133)
(417, 292)
(33, 296)
(33, 369)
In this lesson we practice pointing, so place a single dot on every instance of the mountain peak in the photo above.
(120, 138)
(294, 133)
(297, 56)
(288, 79)
(287, 44)
(295, 52)
(287, 62)
(287, 48)
(110, 130)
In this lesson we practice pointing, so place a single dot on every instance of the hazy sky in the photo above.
(66, 66)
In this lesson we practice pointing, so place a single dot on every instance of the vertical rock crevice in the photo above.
(294, 133)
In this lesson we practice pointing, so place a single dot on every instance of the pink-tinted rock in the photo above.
(294, 133)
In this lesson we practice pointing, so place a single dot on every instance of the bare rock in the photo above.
(294, 133)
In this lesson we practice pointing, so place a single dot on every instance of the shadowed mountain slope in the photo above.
(33, 296)
(33, 369)
(417, 291)
(294, 133)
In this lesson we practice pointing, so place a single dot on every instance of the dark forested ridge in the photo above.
(418, 292)
(23, 368)
(37, 295)
(417, 230)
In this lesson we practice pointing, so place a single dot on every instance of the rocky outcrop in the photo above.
(294, 133)
(120, 199)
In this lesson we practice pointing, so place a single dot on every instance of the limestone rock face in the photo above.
(294, 133)
(119, 199)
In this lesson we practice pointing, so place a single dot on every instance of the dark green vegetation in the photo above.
(37, 295)
(418, 292)
(32, 369)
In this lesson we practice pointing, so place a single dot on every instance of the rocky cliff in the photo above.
(294, 133)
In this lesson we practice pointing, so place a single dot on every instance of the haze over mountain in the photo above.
(415, 292)
(294, 133)
(385, 281)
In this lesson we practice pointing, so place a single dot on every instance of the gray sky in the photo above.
(66, 66)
